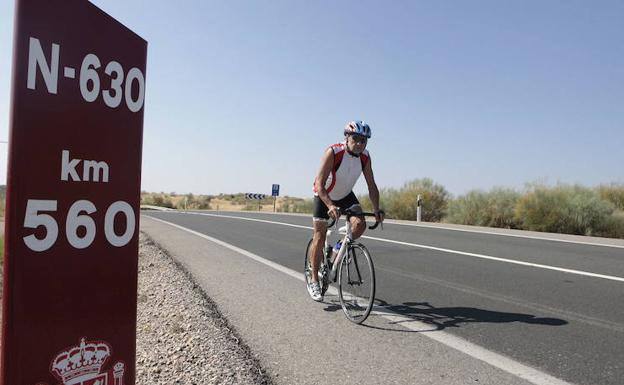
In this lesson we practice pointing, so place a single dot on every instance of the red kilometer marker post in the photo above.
(72, 218)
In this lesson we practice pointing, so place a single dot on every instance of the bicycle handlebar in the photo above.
(350, 213)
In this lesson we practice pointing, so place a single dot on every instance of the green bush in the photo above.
(384, 198)
(402, 203)
(495, 208)
(613, 193)
(502, 205)
(563, 209)
(161, 200)
(202, 203)
(468, 209)
(613, 226)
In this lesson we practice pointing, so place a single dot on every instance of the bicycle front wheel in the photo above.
(356, 283)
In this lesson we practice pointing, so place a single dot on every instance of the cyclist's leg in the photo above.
(316, 249)
(358, 224)
(319, 219)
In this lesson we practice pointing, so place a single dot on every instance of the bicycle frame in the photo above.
(346, 242)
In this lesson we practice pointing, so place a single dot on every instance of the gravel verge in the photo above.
(182, 338)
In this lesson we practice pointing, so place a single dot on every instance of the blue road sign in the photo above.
(275, 190)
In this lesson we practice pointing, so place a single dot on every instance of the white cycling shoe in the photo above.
(314, 289)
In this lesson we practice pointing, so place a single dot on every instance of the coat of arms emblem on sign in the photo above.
(83, 365)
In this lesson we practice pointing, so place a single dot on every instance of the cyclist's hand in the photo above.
(334, 212)
(380, 216)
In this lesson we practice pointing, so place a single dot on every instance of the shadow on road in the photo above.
(440, 318)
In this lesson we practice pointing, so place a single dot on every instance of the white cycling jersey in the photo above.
(345, 172)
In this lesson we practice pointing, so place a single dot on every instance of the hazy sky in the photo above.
(474, 94)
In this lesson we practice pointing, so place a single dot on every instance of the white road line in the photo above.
(479, 231)
(499, 361)
(507, 234)
(250, 219)
(475, 255)
(568, 315)
(547, 267)
(504, 363)
(244, 252)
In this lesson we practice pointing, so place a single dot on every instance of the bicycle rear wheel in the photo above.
(356, 283)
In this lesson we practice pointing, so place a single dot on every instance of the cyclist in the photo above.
(341, 166)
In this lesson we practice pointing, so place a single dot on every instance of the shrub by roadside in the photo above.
(495, 208)
(563, 209)
(613, 193)
(402, 203)
(154, 199)
(613, 226)
(568, 209)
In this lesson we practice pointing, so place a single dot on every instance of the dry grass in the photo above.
(223, 202)
(226, 205)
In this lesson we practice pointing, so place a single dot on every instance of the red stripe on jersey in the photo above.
(338, 159)
(333, 182)
(364, 159)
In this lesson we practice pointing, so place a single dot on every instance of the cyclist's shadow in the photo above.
(332, 303)
(439, 318)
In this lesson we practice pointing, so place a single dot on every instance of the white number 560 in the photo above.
(77, 217)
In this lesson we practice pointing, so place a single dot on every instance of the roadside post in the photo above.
(73, 194)
(418, 208)
(275, 193)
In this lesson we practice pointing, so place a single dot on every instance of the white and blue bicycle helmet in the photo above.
(357, 127)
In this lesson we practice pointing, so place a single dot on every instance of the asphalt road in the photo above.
(509, 296)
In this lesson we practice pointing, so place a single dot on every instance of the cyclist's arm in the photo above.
(327, 162)
(373, 191)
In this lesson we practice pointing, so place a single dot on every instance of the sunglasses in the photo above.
(359, 139)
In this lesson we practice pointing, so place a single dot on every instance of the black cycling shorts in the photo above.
(320, 209)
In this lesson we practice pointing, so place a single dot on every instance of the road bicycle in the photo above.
(352, 268)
